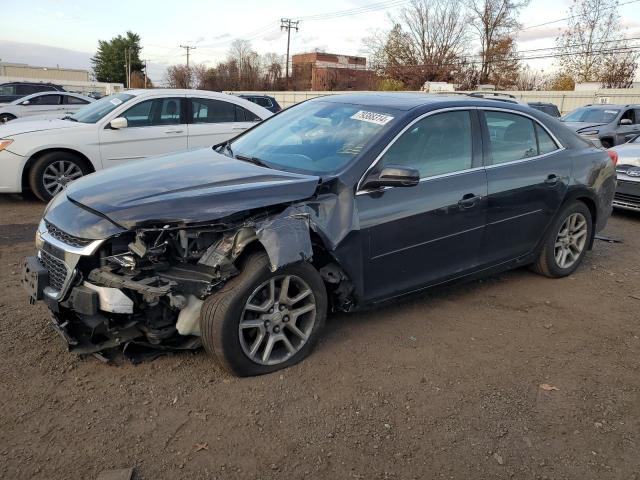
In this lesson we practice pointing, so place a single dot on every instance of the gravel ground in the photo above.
(445, 385)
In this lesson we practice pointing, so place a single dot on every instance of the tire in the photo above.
(42, 172)
(550, 260)
(6, 117)
(223, 313)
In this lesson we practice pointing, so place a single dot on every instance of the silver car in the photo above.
(43, 105)
(628, 169)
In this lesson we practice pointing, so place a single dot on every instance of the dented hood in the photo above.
(187, 187)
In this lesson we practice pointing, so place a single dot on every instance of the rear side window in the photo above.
(8, 90)
(545, 142)
(244, 115)
(69, 100)
(206, 110)
(435, 145)
(45, 100)
(515, 137)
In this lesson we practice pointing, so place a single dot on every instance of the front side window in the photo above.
(629, 115)
(437, 144)
(159, 111)
(45, 100)
(511, 137)
(97, 110)
(316, 137)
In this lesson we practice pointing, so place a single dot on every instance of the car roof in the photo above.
(608, 105)
(409, 100)
(176, 91)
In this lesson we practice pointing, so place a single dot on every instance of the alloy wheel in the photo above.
(571, 240)
(58, 174)
(277, 320)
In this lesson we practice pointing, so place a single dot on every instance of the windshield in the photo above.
(98, 109)
(592, 115)
(313, 137)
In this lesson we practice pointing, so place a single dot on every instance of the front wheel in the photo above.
(263, 321)
(53, 172)
(566, 242)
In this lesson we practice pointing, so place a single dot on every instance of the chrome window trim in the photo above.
(394, 139)
(559, 145)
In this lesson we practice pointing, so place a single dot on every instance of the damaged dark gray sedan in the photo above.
(337, 203)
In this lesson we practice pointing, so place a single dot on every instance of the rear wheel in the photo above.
(566, 242)
(53, 172)
(264, 321)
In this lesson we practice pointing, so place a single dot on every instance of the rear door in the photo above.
(155, 127)
(212, 121)
(425, 234)
(527, 177)
(48, 105)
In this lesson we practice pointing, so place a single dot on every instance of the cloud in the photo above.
(42, 55)
(540, 33)
(220, 37)
(273, 36)
(309, 39)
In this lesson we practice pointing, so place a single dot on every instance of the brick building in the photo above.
(328, 71)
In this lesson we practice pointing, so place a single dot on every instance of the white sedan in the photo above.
(44, 155)
(44, 105)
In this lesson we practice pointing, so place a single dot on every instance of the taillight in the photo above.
(613, 156)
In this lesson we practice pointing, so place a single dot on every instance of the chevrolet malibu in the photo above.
(43, 156)
(336, 204)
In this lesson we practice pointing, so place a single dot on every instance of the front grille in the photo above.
(58, 234)
(56, 268)
(625, 197)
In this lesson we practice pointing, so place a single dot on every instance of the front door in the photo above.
(429, 233)
(625, 132)
(43, 105)
(154, 127)
(527, 177)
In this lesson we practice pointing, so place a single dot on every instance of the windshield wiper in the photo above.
(254, 160)
(69, 117)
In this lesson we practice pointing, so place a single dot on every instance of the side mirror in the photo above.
(625, 121)
(26, 102)
(118, 123)
(393, 176)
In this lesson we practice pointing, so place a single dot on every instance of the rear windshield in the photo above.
(592, 115)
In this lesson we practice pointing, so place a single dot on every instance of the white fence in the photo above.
(565, 100)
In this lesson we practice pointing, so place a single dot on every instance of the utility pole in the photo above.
(287, 24)
(187, 48)
(129, 70)
(145, 74)
(126, 68)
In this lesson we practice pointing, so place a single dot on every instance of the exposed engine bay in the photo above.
(145, 288)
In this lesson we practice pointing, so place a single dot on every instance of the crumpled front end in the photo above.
(146, 287)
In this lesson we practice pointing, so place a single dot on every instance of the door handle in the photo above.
(552, 180)
(468, 201)
(174, 131)
(239, 128)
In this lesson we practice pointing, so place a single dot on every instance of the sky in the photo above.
(66, 32)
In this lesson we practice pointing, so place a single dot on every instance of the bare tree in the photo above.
(177, 76)
(529, 79)
(493, 22)
(592, 47)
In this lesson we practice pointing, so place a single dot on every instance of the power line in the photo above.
(574, 16)
(355, 11)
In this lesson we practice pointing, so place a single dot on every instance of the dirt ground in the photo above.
(441, 386)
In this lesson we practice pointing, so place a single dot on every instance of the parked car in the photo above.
(44, 156)
(14, 90)
(338, 203)
(43, 105)
(546, 107)
(628, 169)
(611, 124)
(265, 101)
